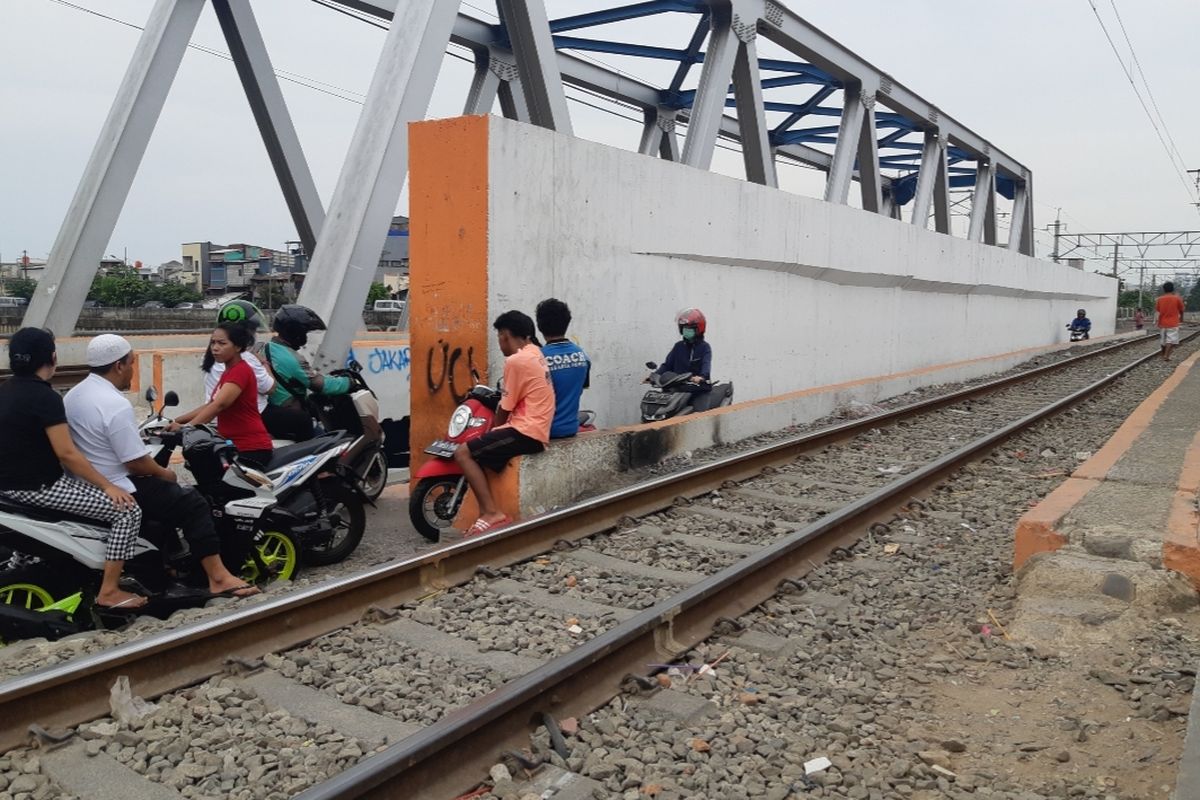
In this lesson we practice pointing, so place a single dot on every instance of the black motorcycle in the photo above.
(674, 394)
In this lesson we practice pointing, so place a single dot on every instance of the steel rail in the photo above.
(432, 763)
(76, 691)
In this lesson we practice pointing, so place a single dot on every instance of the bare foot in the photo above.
(120, 599)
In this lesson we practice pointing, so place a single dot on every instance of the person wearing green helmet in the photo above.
(245, 313)
(287, 415)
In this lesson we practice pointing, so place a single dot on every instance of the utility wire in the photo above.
(1137, 63)
(1174, 167)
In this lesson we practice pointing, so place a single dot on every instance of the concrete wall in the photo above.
(798, 292)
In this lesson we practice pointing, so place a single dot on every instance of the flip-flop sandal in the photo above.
(124, 605)
(482, 526)
(234, 592)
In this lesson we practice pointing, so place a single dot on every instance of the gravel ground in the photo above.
(895, 678)
(880, 641)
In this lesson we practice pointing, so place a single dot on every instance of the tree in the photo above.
(378, 292)
(20, 287)
(172, 294)
(1193, 298)
(120, 287)
(1129, 299)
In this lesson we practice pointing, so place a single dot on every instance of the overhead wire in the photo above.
(1187, 186)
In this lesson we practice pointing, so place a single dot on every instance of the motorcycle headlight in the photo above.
(459, 421)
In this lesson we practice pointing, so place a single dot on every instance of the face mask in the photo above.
(688, 334)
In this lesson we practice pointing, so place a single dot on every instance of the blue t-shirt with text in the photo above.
(570, 369)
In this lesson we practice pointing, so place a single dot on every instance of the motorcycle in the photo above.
(439, 486)
(310, 481)
(57, 559)
(673, 394)
(1078, 334)
(357, 413)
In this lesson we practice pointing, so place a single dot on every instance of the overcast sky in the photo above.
(1036, 78)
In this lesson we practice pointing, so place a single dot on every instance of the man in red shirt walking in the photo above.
(1168, 313)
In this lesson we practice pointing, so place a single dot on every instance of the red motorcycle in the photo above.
(439, 486)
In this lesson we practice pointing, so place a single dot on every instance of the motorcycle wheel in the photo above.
(429, 505)
(279, 557)
(375, 478)
(32, 589)
(346, 535)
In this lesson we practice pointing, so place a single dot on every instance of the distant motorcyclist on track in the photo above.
(1081, 326)
(287, 415)
(104, 429)
(691, 354)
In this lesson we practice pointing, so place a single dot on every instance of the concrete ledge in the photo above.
(584, 465)
(1048, 526)
(1187, 785)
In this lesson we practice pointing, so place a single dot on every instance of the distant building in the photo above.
(216, 269)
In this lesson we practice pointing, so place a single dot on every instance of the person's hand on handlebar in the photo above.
(696, 379)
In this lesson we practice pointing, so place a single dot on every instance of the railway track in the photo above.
(449, 681)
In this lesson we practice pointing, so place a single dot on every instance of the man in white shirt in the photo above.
(104, 429)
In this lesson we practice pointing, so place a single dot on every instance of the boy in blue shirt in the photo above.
(570, 368)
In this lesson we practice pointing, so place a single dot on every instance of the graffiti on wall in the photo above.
(449, 368)
(384, 359)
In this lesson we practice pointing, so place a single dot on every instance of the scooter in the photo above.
(673, 394)
(439, 486)
(50, 580)
(1078, 334)
(357, 413)
(313, 486)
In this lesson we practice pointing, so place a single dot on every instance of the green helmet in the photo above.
(242, 312)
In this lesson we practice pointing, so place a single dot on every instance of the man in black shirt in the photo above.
(35, 445)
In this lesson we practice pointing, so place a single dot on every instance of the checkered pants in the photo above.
(85, 500)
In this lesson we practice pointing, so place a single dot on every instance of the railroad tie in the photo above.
(317, 708)
(453, 648)
(100, 777)
(612, 564)
(562, 603)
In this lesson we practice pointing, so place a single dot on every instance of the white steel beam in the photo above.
(484, 85)
(658, 134)
(989, 217)
(254, 68)
(1016, 229)
(927, 178)
(532, 45)
(512, 101)
(369, 185)
(982, 202)
(841, 170)
(704, 120)
(941, 193)
(106, 180)
(752, 116)
(868, 158)
(1027, 245)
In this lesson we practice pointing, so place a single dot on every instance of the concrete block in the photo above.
(424, 637)
(678, 706)
(623, 567)
(1187, 784)
(554, 783)
(317, 707)
(765, 644)
(100, 777)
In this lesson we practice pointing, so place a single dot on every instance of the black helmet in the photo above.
(293, 322)
(242, 312)
(1081, 312)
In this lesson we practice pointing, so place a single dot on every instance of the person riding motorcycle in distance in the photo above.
(105, 431)
(245, 313)
(691, 354)
(1081, 323)
(286, 414)
(35, 446)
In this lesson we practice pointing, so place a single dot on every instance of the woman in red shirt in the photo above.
(234, 402)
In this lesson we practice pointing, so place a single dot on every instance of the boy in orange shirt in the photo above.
(522, 425)
(1168, 313)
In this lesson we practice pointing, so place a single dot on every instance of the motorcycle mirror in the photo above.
(171, 399)
(151, 394)
(651, 365)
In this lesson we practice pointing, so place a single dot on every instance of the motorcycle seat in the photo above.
(47, 514)
(293, 452)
